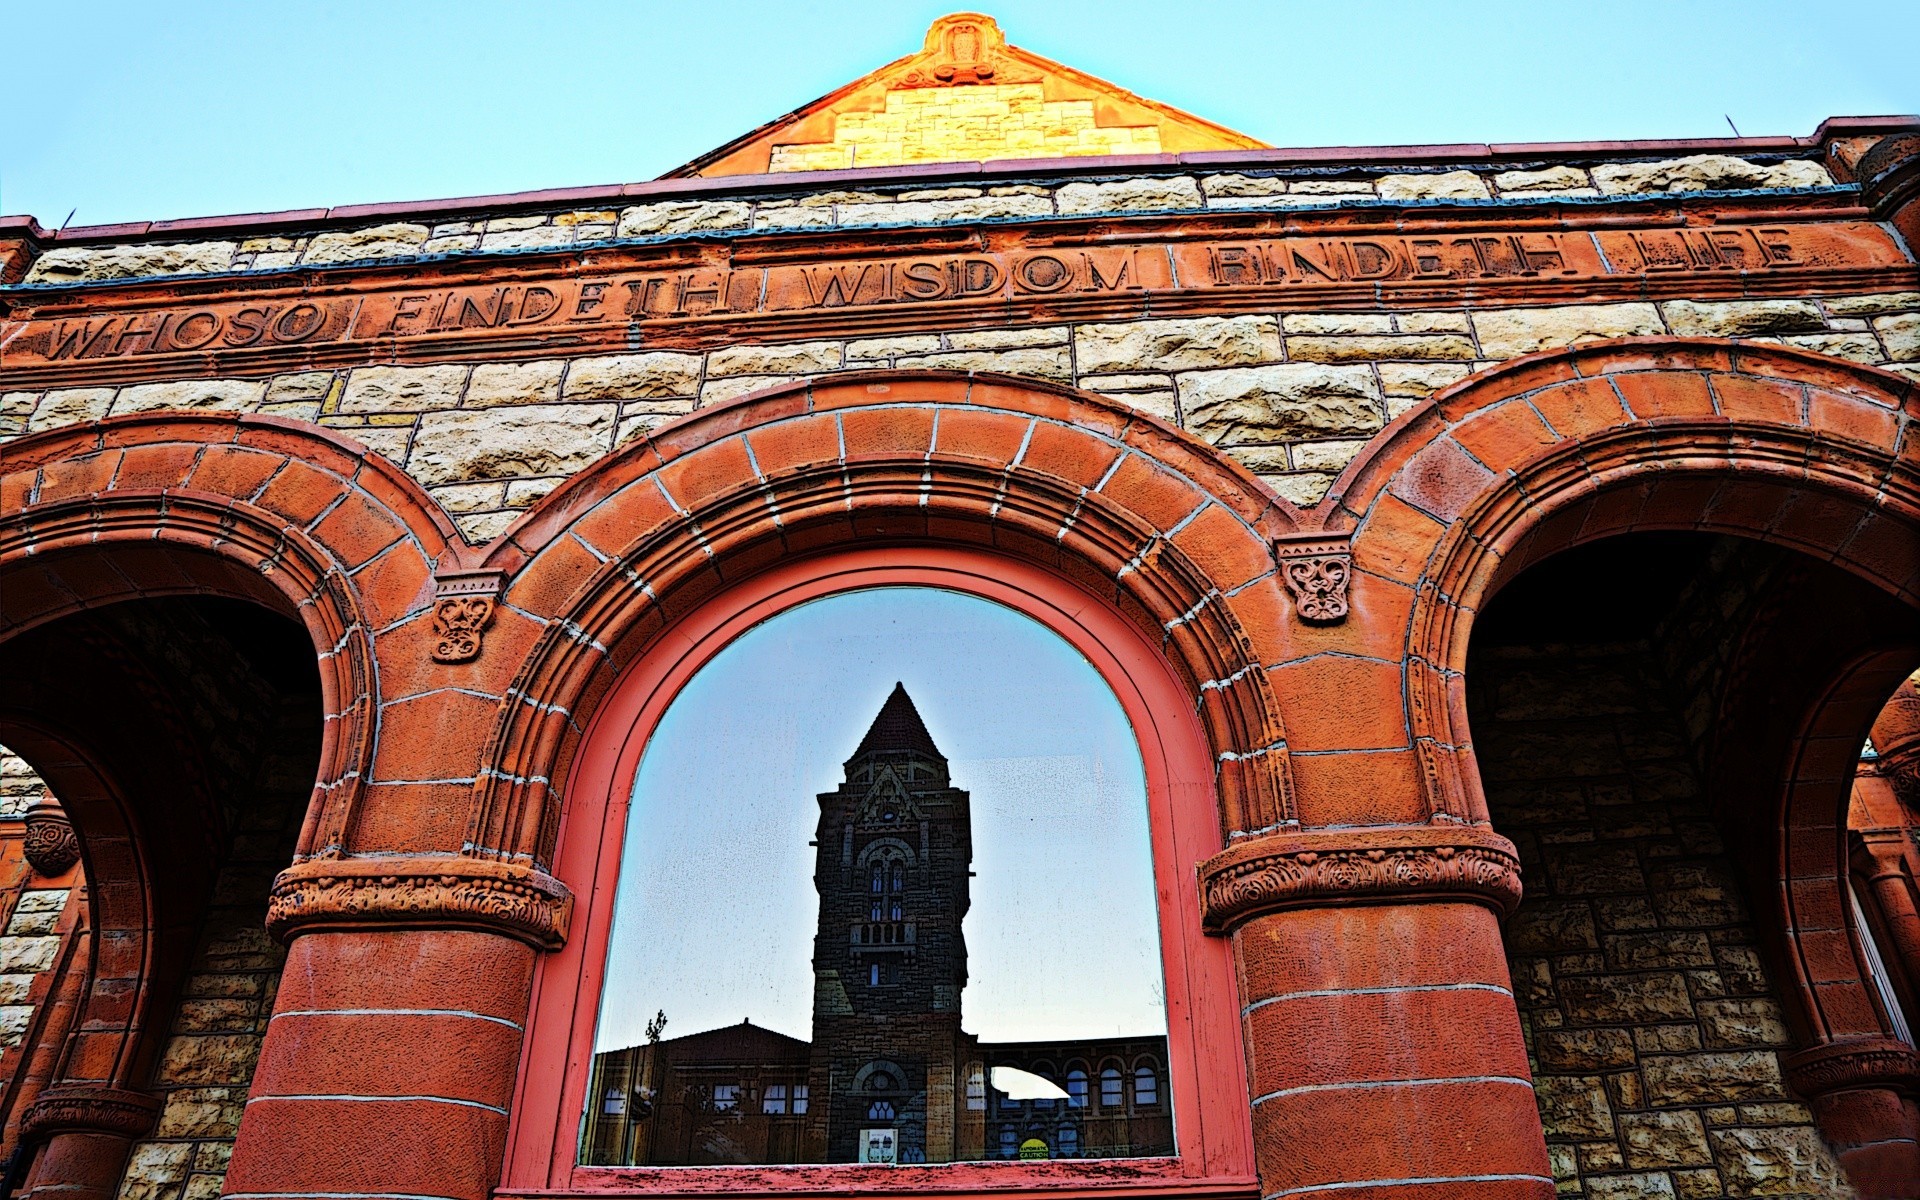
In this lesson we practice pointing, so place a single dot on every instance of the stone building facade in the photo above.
(1511, 549)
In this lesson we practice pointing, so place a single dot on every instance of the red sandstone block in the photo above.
(1852, 418)
(1114, 420)
(790, 445)
(479, 972)
(1828, 955)
(1151, 494)
(1464, 1129)
(394, 584)
(887, 433)
(375, 1054)
(1653, 355)
(230, 471)
(1581, 407)
(1314, 1040)
(1396, 540)
(1763, 401)
(701, 478)
(435, 738)
(321, 1147)
(1368, 946)
(1226, 551)
(623, 520)
(1888, 548)
(723, 420)
(413, 818)
(1441, 480)
(31, 592)
(322, 450)
(1665, 394)
(162, 466)
(1847, 1009)
(78, 478)
(356, 530)
(1061, 452)
(1514, 379)
(1819, 521)
(299, 493)
(547, 585)
(1373, 787)
(1615, 510)
(1505, 436)
(1030, 399)
(16, 487)
(1369, 713)
(989, 437)
(1679, 502)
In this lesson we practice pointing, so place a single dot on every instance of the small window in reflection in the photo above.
(1146, 1087)
(1076, 1088)
(1110, 1096)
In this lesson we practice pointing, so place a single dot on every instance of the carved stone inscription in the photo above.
(1279, 266)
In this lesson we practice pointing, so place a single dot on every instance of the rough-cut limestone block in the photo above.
(1713, 1078)
(1327, 456)
(453, 244)
(1008, 339)
(1445, 185)
(1218, 186)
(893, 346)
(403, 389)
(525, 493)
(640, 423)
(155, 1168)
(27, 955)
(1777, 1162)
(516, 441)
(1706, 172)
(1373, 349)
(538, 237)
(1644, 1185)
(1505, 333)
(1584, 1049)
(1665, 1139)
(1264, 405)
(535, 382)
(932, 212)
(1197, 342)
(300, 385)
(1744, 1021)
(1741, 318)
(1305, 489)
(1854, 347)
(28, 921)
(587, 217)
(84, 264)
(42, 900)
(1339, 188)
(1337, 323)
(1129, 195)
(1573, 1106)
(683, 216)
(1900, 335)
(205, 395)
(1434, 322)
(789, 358)
(717, 390)
(70, 406)
(201, 1112)
(481, 528)
(14, 1019)
(1873, 305)
(1041, 362)
(396, 240)
(633, 376)
(470, 497)
(389, 443)
(1548, 179)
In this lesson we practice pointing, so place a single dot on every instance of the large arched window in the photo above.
(754, 797)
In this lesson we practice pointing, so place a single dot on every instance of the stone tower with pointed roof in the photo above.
(895, 849)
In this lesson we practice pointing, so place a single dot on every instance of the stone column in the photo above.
(1862, 1092)
(390, 1061)
(1383, 1042)
(86, 1131)
(1889, 177)
(1892, 894)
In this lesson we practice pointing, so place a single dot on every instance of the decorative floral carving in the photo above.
(87, 1108)
(437, 893)
(1853, 1063)
(1315, 569)
(462, 609)
(1290, 870)
(50, 844)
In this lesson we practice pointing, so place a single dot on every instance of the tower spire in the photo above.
(898, 728)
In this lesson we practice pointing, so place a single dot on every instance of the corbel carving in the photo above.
(87, 1108)
(50, 844)
(453, 892)
(1315, 568)
(1394, 865)
(1866, 1062)
(462, 609)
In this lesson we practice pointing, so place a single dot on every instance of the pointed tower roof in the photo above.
(898, 728)
(967, 96)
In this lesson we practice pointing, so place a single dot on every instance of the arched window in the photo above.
(1110, 1089)
(1067, 1143)
(1146, 1086)
(1076, 1088)
(880, 1110)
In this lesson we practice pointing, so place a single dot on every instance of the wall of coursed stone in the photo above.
(1654, 1029)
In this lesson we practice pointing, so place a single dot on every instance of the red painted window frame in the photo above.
(1206, 1067)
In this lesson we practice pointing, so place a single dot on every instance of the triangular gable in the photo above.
(967, 96)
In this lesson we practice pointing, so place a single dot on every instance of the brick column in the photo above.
(390, 1060)
(1862, 1092)
(1383, 1043)
(88, 1130)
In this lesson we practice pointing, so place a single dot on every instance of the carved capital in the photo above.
(1866, 1062)
(423, 893)
(1387, 865)
(50, 844)
(1315, 568)
(462, 609)
(87, 1108)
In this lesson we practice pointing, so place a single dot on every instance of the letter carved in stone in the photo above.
(1303, 868)
(50, 844)
(431, 893)
(1315, 568)
(87, 1108)
(462, 609)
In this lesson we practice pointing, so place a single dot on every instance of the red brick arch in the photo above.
(1137, 513)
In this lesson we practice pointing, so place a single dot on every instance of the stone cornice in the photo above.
(87, 1108)
(1854, 1063)
(453, 892)
(1387, 864)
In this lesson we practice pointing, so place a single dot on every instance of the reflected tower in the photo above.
(894, 852)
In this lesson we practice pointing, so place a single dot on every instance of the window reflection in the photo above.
(892, 1070)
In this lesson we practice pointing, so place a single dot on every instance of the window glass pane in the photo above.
(854, 841)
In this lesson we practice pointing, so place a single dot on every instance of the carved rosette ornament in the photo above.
(50, 844)
(462, 609)
(87, 1108)
(1394, 864)
(1315, 568)
(453, 892)
(1866, 1062)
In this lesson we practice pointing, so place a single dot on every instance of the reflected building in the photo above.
(890, 1075)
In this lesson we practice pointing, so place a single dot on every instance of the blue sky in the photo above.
(716, 909)
(136, 111)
